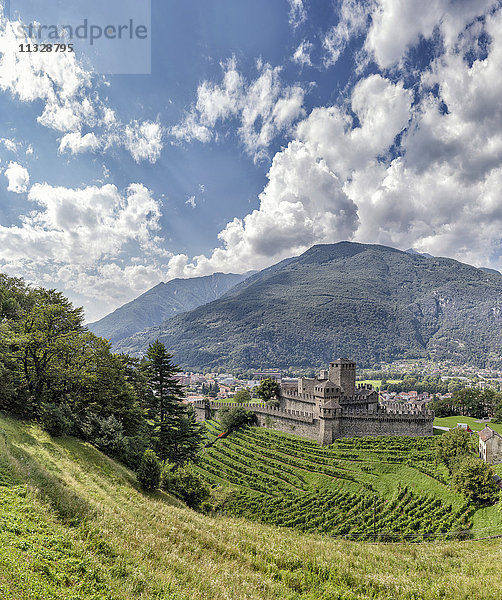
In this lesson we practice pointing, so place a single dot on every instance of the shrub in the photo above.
(452, 447)
(149, 471)
(109, 436)
(56, 420)
(242, 397)
(474, 478)
(236, 417)
(188, 485)
(167, 476)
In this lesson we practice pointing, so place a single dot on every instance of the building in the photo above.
(490, 445)
(332, 406)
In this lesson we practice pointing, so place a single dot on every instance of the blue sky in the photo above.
(260, 129)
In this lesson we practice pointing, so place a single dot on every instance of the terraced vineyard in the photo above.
(361, 488)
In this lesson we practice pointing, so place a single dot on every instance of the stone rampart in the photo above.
(333, 423)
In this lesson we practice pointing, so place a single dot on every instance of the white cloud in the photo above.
(18, 178)
(265, 108)
(191, 202)
(397, 26)
(353, 18)
(297, 12)
(77, 143)
(82, 237)
(343, 177)
(144, 141)
(301, 55)
(9, 144)
(70, 98)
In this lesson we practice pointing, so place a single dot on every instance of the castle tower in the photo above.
(342, 372)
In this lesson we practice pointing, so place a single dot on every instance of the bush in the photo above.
(236, 417)
(56, 420)
(149, 471)
(167, 476)
(452, 447)
(188, 485)
(109, 437)
(242, 397)
(134, 449)
(474, 478)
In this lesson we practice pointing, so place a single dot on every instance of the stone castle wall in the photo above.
(334, 425)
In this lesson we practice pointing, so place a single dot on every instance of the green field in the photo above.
(362, 488)
(473, 423)
(75, 526)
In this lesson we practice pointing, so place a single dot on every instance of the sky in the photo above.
(230, 135)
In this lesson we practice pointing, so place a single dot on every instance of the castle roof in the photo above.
(326, 383)
(487, 433)
(363, 392)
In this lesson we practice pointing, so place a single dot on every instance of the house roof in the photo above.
(487, 433)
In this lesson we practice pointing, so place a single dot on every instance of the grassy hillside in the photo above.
(367, 302)
(73, 525)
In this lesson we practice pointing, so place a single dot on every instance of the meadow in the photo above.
(75, 525)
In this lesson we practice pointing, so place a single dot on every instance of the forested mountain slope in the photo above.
(162, 302)
(367, 302)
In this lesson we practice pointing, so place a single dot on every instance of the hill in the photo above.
(73, 525)
(388, 487)
(162, 302)
(369, 302)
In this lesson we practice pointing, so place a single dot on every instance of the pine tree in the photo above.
(149, 471)
(178, 435)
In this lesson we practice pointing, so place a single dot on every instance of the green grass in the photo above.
(472, 422)
(73, 525)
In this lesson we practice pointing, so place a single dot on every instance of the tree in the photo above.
(149, 471)
(236, 417)
(242, 397)
(452, 447)
(188, 485)
(474, 478)
(165, 406)
(268, 390)
(39, 341)
(178, 435)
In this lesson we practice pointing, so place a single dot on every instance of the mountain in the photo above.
(163, 301)
(368, 302)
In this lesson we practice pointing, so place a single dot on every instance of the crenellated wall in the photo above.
(331, 424)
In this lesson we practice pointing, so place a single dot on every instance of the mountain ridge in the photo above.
(370, 302)
(163, 301)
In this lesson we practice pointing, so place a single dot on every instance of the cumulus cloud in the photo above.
(77, 143)
(391, 165)
(264, 107)
(69, 95)
(81, 237)
(144, 141)
(18, 178)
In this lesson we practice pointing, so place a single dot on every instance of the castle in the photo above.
(332, 406)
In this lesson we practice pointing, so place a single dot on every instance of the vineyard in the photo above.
(359, 488)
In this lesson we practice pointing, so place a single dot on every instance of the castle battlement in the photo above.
(332, 406)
